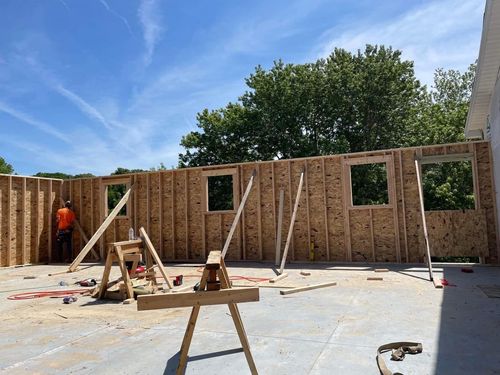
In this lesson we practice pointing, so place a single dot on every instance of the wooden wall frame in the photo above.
(174, 203)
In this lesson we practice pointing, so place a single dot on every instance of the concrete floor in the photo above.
(335, 330)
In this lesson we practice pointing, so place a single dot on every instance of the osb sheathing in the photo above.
(172, 207)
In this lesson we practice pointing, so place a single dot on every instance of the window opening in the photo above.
(369, 184)
(448, 186)
(220, 193)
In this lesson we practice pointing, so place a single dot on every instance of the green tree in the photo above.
(60, 175)
(442, 114)
(345, 103)
(5, 167)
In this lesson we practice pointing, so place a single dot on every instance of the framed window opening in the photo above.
(114, 190)
(221, 190)
(449, 183)
(370, 182)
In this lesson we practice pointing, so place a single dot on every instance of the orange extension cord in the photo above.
(48, 293)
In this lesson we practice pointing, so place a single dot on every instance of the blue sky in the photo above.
(91, 85)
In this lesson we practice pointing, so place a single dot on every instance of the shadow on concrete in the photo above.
(174, 360)
(469, 324)
(426, 278)
(95, 302)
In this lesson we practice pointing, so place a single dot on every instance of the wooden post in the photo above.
(393, 198)
(37, 242)
(238, 214)
(374, 259)
(347, 196)
(403, 204)
(172, 187)
(100, 231)
(160, 210)
(186, 210)
(292, 222)
(307, 210)
(80, 208)
(148, 203)
(274, 209)
(149, 246)
(278, 229)
(243, 237)
(424, 223)
(102, 214)
(49, 221)
(325, 203)
(9, 223)
(259, 213)
(23, 223)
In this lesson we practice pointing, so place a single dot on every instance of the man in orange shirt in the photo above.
(65, 218)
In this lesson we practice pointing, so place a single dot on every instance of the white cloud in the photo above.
(440, 34)
(150, 19)
(40, 125)
(117, 15)
(84, 107)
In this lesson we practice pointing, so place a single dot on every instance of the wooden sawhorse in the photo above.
(214, 289)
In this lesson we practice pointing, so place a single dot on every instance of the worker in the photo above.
(65, 218)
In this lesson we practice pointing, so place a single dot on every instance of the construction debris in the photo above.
(305, 288)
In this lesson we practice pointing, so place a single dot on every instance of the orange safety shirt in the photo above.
(65, 218)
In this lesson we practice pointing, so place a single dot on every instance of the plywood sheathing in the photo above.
(172, 204)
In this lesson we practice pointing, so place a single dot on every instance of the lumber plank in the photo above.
(437, 284)
(372, 236)
(219, 172)
(37, 245)
(186, 210)
(9, 222)
(23, 223)
(49, 221)
(213, 261)
(308, 220)
(394, 202)
(238, 214)
(305, 288)
(370, 278)
(154, 254)
(148, 203)
(278, 229)
(278, 278)
(403, 204)
(424, 223)
(292, 223)
(202, 298)
(100, 231)
(325, 203)
(259, 213)
(160, 212)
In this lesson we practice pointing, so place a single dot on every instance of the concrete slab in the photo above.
(325, 331)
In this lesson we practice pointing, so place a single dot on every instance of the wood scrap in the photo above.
(374, 278)
(305, 273)
(305, 288)
(381, 270)
(278, 278)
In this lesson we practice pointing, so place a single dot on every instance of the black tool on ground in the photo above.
(196, 287)
(178, 280)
